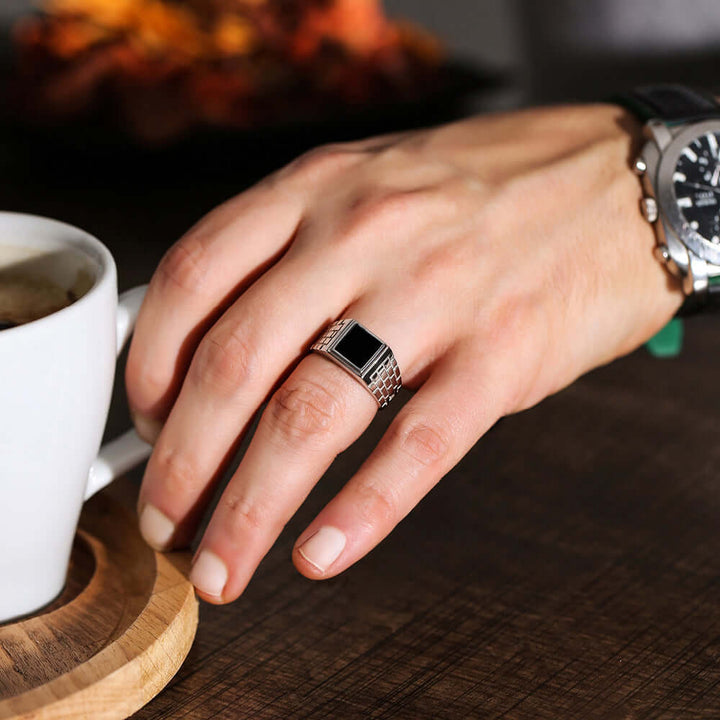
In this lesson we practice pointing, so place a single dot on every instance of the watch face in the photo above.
(696, 182)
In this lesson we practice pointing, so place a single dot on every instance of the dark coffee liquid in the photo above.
(25, 298)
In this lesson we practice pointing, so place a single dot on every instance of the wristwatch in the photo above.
(679, 166)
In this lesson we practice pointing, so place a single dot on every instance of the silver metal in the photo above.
(649, 209)
(658, 131)
(640, 167)
(380, 375)
(662, 253)
(686, 254)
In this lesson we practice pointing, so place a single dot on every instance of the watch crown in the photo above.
(649, 209)
(640, 166)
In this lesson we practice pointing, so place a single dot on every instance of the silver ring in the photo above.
(362, 354)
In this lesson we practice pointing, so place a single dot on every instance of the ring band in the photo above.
(362, 354)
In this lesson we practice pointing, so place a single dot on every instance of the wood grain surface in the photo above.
(112, 640)
(568, 568)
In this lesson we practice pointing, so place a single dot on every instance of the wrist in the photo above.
(644, 297)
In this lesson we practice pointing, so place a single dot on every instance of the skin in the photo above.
(500, 258)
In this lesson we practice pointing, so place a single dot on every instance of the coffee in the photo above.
(38, 280)
(24, 298)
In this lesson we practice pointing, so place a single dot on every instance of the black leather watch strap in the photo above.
(671, 103)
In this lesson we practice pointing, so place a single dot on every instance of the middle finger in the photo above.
(316, 414)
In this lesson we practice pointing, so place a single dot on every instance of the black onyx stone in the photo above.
(358, 346)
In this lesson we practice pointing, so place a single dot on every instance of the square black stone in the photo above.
(358, 346)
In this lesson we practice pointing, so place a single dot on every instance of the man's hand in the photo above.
(499, 258)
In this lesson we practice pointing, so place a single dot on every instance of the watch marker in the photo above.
(690, 155)
(715, 176)
(685, 202)
(694, 224)
(679, 177)
(712, 142)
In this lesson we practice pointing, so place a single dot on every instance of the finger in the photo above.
(253, 345)
(316, 413)
(234, 369)
(192, 284)
(451, 411)
(207, 269)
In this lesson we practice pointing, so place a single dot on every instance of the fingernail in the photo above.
(323, 548)
(209, 574)
(156, 527)
(149, 430)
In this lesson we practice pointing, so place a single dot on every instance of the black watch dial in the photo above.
(696, 181)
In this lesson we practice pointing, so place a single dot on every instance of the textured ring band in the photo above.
(362, 354)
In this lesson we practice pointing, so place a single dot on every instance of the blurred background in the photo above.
(132, 118)
(111, 78)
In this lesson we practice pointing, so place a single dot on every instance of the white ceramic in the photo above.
(56, 378)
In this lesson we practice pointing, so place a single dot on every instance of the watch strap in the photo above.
(673, 104)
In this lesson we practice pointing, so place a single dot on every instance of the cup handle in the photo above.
(125, 452)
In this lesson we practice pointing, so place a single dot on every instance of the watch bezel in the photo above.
(667, 202)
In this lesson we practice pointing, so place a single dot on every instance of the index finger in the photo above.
(198, 277)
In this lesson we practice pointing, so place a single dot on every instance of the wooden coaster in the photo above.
(114, 638)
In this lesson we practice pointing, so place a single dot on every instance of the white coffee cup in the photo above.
(56, 379)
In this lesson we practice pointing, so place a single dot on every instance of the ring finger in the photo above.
(315, 414)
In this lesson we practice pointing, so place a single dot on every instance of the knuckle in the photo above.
(374, 211)
(224, 363)
(377, 505)
(178, 476)
(368, 215)
(182, 267)
(241, 516)
(321, 161)
(304, 410)
(425, 443)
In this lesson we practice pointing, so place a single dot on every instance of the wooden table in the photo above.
(568, 568)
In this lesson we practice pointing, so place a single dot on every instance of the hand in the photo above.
(499, 257)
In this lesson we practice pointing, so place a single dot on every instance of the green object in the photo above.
(668, 342)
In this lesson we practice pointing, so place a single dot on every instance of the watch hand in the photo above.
(701, 186)
(715, 176)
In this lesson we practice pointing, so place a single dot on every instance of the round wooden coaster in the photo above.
(114, 638)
